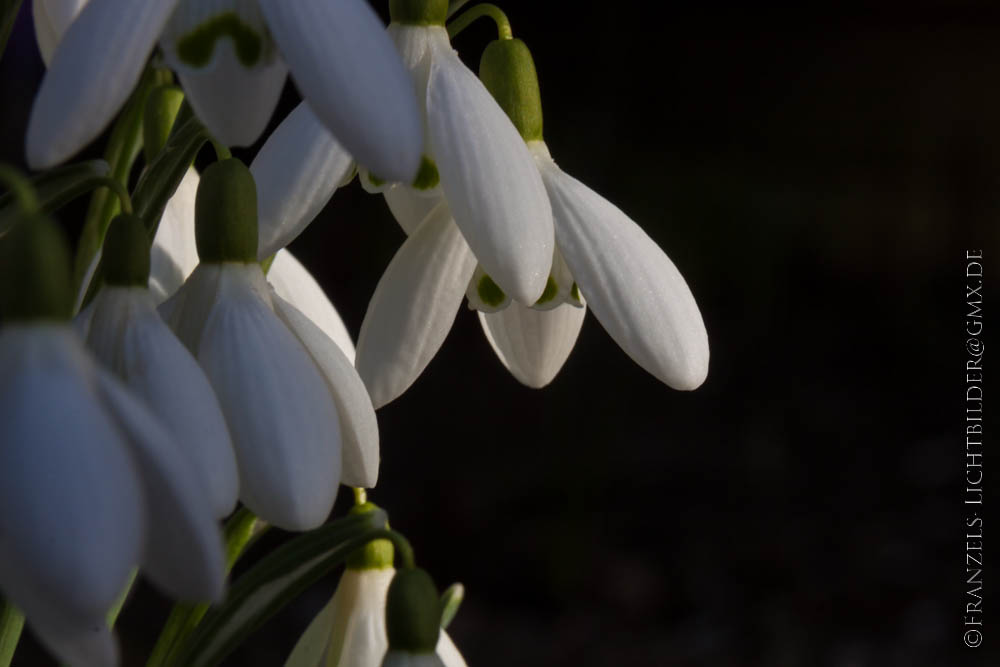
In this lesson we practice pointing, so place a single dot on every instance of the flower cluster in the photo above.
(198, 365)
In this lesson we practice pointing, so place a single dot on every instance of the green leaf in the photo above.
(57, 187)
(242, 529)
(451, 600)
(274, 582)
(121, 152)
(11, 624)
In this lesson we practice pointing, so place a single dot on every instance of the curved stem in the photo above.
(221, 152)
(485, 9)
(403, 549)
(20, 188)
(116, 186)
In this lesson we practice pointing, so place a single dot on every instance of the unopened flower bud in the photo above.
(412, 617)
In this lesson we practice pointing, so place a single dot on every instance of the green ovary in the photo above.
(196, 47)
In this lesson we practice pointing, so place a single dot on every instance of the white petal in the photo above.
(633, 288)
(71, 526)
(358, 634)
(484, 294)
(448, 652)
(129, 337)
(408, 206)
(175, 253)
(187, 311)
(489, 179)
(45, 33)
(93, 72)
(295, 284)
(280, 413)
(77, 642)
(184, 553)
(351, 75)
(358, 426)
(414, 306)
(297, 171)
(533, 344)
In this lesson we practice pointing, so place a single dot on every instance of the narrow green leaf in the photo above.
(8, 14)
(123, 148)
(274, 582)
(451, 600)
(11, 624)
(57, 187)
(242, 529)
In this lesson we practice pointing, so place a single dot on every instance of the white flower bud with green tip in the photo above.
(231, 57)
(350, 631)
(86, 464)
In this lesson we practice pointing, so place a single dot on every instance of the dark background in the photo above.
(817, 175)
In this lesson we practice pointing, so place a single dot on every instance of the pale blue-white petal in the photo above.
(280, 413)
(489, 178)
(351, 75)
(414, 306)
(297, 170)
(94, 69)
(183, 553)
(71, 529)
(635, 291)
(358, 426)
(128, 336)
(408, 206)
(175, 253)
(448, 652)
(76, 641)
(293, 283)
(533, 344)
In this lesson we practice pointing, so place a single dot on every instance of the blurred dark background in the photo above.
(817, 174)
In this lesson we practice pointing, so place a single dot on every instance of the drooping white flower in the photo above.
(231, 58)
(125, 332)
(471, 153)
(291, 398)
(90, 483)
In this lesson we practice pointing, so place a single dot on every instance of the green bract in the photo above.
(34, 271)
(508, 72)
(418, 12)
(225, 212)
(412, 612)
(377, 554)
(126, 252)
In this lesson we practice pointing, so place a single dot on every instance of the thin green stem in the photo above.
(8, 14)
(11, 624)
(485, 9)
(20, 188)
(455, 5)
(221, 152)
(360, 495)
(123, 197)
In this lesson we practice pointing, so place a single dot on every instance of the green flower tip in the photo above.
(508, 72)
(35, 281)
(489, 292)
(418, 12)
(162, 105)
(551, 289)
(412, 612)
(126, 252)
(225, 213)
(196, 47)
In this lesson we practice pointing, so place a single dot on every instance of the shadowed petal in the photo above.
(87, 81)
(297, 171)
(174, 253)
(414, 306)
(351, 75)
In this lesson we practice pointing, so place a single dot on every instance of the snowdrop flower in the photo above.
(89, 481)
(231, 57)
(350, 631)
(125, 332)
(291, 398)
(471, 154)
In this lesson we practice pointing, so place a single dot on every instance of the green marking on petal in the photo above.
(427, 175)
(551, 289)
(574, 292)
(196, 47)
(375, 181)
(489, 292)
